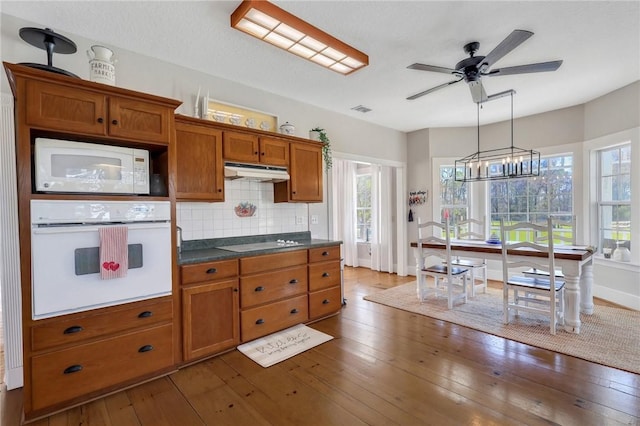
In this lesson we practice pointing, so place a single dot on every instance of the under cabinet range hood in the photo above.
(255, 172)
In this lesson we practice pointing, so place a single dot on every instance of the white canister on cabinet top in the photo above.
(287, 129)
(102, 65)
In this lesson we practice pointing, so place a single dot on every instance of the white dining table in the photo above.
(576, 263)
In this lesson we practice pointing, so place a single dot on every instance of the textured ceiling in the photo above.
(599, 43)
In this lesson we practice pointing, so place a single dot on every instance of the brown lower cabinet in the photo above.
(210, 308)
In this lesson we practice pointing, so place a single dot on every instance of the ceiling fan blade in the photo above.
(513, 40)
(523, 69)
(433, 89)
(423, 67)
(477, 91)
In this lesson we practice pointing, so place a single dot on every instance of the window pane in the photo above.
(534, 199)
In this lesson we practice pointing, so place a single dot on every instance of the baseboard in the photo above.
(14, 378)
(618, 297)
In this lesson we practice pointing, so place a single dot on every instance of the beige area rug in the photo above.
(610, 336)
(277, 347)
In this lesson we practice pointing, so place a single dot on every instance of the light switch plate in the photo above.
(299, 220)
(314, 219)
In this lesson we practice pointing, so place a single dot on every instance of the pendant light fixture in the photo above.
(280, 28)
(496, 164)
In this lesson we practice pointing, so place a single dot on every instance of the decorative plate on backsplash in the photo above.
(245, 209)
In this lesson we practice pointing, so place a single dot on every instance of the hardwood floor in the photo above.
(384, 367)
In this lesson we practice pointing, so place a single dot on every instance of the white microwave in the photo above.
(68, 166)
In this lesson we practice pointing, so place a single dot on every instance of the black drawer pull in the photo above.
(294, 311)
(325, 302)
(146, 348)
(73, 329)
(100, 120)
(145, 314)
(114, 122)
(260, 321)
(72, 369)
(325, 274)
(259, 288)
(294, 281)
(325, 253)
(212, 271)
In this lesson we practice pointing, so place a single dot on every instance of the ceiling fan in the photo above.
(471, 69)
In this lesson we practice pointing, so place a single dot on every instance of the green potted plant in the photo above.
(318, 134)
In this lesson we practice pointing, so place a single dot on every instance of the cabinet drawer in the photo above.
(269, 262)
(63, 332)
(322, 254)
(67, 374)
(264, 320)
(208, 271)
(324, 302)
(270, 286)
(324, 275)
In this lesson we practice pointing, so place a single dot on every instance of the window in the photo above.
(534, 199)
(614, 196)
(363, 207)
(454, 198)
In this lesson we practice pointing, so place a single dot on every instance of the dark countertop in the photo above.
(198, 251)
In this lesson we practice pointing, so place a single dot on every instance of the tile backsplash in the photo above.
(219, 220)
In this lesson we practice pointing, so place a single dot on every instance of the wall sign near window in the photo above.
(417, 198)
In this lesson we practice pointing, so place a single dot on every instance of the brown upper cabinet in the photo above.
(248, 148)
(199, 165)
(305, 169)
(75, 109)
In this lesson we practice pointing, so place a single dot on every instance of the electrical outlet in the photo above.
(314, 219)
(299, 220)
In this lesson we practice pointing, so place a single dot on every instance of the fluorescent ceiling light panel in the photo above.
(276, 26)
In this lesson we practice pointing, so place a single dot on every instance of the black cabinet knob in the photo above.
(212, 271)
(293, 281)
(114, 122)
(294, 311)
(325, 275)
(100, 120)
(73, 329)
(145, 348)
(259, 288)
(145, 314)
(325, 302)
(72, 369)
(260, 321)
(325, 253)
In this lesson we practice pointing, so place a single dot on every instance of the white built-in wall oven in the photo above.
(65, 254)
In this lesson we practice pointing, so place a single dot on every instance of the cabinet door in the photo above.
(63, 108)
(144, 121)
(274, 152)
(210, 318)
(199, 167)
(241, 147)
(306, 175)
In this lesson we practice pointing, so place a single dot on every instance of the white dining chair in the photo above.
(564, 231)
(536, 294)
(473, 230)
(454, 278)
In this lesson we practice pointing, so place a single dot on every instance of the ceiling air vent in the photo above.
(361, 108)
